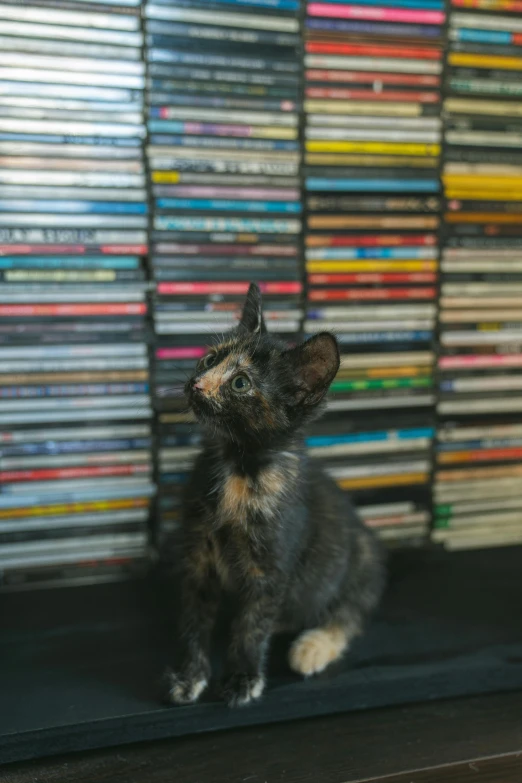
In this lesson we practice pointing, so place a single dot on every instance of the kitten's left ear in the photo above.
(315, 363)
(252, 318)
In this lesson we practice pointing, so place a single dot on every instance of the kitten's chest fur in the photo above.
(255, 494)
(245, 510)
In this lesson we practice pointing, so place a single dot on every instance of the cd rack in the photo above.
(159, 155)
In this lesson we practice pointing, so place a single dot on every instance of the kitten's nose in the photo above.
(197, 386)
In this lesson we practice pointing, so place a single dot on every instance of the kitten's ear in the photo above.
(252, 317)
(315, 364)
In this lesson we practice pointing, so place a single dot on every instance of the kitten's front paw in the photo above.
(241, 688)
(185, 688)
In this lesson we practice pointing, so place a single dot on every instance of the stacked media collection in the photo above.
(372, 91)
(75, 412)
(478, 489)
(297, 145)
(224, 159)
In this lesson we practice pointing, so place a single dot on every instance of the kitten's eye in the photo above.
(241, 384)
(208, 360)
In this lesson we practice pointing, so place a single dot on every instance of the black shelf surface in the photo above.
(81, 668)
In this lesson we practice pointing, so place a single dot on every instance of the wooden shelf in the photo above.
(81, 667)
(471, 740)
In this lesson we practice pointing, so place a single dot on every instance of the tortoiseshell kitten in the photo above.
(264, 523)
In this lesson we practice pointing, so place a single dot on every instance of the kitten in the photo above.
(262, 522)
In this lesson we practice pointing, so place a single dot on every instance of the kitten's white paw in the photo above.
(241, 689)
(185, 690)
(314, 650)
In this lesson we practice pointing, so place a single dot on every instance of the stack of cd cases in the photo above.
(75, 434)
(224, 158)
(478, 493)
(372, 150)
(240, 121)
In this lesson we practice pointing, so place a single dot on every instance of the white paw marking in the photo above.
(255, 690)
(185, 692)
(314, 650)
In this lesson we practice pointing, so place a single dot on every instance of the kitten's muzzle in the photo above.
(195, 392)
(192, 386)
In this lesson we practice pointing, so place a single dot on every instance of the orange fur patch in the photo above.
(314, 650)
(267, 411)
(236, 495)
(200, 564)
(214, 378)
(272, 481)
(240, 495)
(228, 346)
(219, 562)
(210, 383)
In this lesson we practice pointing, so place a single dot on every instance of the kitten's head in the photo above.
(254, 389)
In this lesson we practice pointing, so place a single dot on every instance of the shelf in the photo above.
(82, 667)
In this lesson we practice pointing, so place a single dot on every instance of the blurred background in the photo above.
(362, 163)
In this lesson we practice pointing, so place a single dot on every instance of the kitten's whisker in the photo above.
(215, 334)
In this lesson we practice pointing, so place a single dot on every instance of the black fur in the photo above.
(261, 522)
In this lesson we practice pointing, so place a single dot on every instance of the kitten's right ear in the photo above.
(315, 364)
(252, 317)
